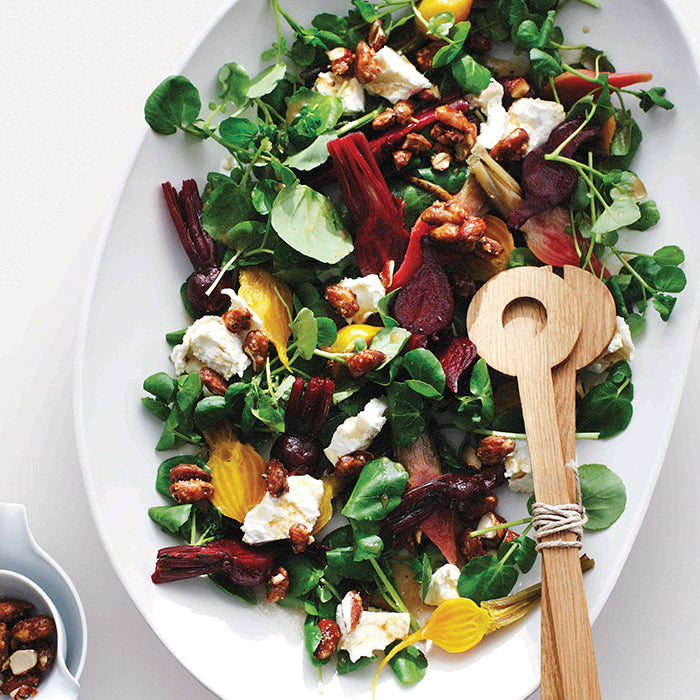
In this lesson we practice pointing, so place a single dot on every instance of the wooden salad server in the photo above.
(597, 329)
(524, 322)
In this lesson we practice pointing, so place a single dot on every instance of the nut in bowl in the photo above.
(32, 642)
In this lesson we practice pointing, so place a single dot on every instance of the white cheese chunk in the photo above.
(349, 90)
(271, 519)
(620, 348)
(357, 432)
(537, 117)
(398, 78)
(368, 291)
(518, 469)
(374, 632)
(208, 343)
(443, 585)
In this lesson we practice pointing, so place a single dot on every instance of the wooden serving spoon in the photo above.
(597, 329)
(525, 322)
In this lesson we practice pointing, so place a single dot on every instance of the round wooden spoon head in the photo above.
(524, 315)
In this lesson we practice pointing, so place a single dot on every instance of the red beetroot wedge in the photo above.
(380, 234)
(456, 358)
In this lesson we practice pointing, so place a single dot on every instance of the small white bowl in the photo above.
(20, 553)
(58, 683)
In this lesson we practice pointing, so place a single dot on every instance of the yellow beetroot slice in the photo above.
(271, 299)
(236, 472)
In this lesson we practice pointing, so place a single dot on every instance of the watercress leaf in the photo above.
(670, 279)
(244, 593)
(175, 337)
(162, 386)
(174, 104)
(426, 573)
(368, 543)
(170, 518)
(312, 156)
(669, 255)
(636, 324)
(265, 82)
(522, 257)
(210, 411)
(377, 491)
(225, 205)
(189, 392)
(405, 413)
(625, 141)
(603, 495)
(306, 221)
(157, 408)
(303, 574)
(423, 366)
(446, 54)
(340, 564)
(527, 36)
(485, 577)
(233, 83)
(384, 306)
(622, 212)
(480, 386)
(390, 341)
(664, 305)
(238, 131)
(305, 332)
(544, 64)
(327, 333)
(344, 665)
(604, 410)
(168, 440)
(423, 389)
(654, 97)
(471, 76)
(267, 412)
(367, 10)
(524, 555)
(163, 474)
(409, 664)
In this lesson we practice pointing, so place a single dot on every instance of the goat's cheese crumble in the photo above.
(349, 90)
(398, 78)
(357, 432)
(368, 291)
(519, 469)
(443, 585)
(374, 632)
(620, 348)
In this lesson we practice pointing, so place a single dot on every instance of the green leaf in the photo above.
(424, 367)
(265, 82)
(670, 279)
(664, 305)
(654, 98)
(327, 332)
(157, 408)
(377, 491)
(367, 10)
(440, 24)
(244, 593)
(390, 341)
(471, 76)
(525, 553)
(522, 257)
(409, 664)
(405, 413)
(622, 212)
(527, 36)
(485, 577)
(340, 564)
(604, 409)
(238, 131)
(669, 255)
(174, 104)
(303, 574)
(312, 156)
(426, 573)
(312, 638)
(175, 337)
(226, 204)
(544, 64)
(368, 543)
(305, 332)
(649, 216)
(603, 495)
(233, 83)
(344, 665)
(170, 518)
(189, 392)
(306, 221)
(210, 411)
(162, 386)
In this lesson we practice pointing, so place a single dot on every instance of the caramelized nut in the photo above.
(415, 143)
(441, 161)
(401, 158)
(366, 68)
(191, 491)
(213, 381)
(349, 466)
(12, 610)
(330, 636)
(446, 136)
(256, 346)
(517, 87)
(342, 299)
(185, 472)
(377, 36)
(350, 612)
(341, 59)
(472, 230)
(452, 117)
(278, 585)
(487, 248)
(238, 319)
(493, 449)
(276, 476)
(4, 643)
(491, 539)
(365, 361)
(22, 661)
(511, 147)
(446, 233)
(384, 120)
(20, 686)
(425, 55)
(470, 546)
(46, 654)
(444, 213)
(431, 94)
(299, 535)
(33, 628)
(404, 110)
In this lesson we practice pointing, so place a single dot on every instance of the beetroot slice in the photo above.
(547, 183)
(457, 357)
(424, 305)
(380, 233)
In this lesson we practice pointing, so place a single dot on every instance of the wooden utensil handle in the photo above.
(566, 595)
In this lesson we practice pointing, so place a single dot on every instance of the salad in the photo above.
(339, 445)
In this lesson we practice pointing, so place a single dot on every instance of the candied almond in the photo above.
(444, 213)
(366, 68)
(33, 628)
(342, 299)
(185, 472)
(276, 476)
(213, 381)
(470, 546)
(416, 143)
(191, 491)
(299, 536)
(488, 248)
(452, 117)
(384, 120)
(11, 609)
(404, 110)
(237, 319)
(511, 147)
(401, 158)
(330, 636)
(377, 36)
(365, 361)
(256, 346)
(277, 585)
(493, 449)
(341, 60)
(350, 465)
(440, 160)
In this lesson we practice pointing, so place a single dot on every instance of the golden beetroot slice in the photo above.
(236, 472)
(271, 299)
(425, 305)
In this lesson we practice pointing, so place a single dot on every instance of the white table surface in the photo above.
(74, 76)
